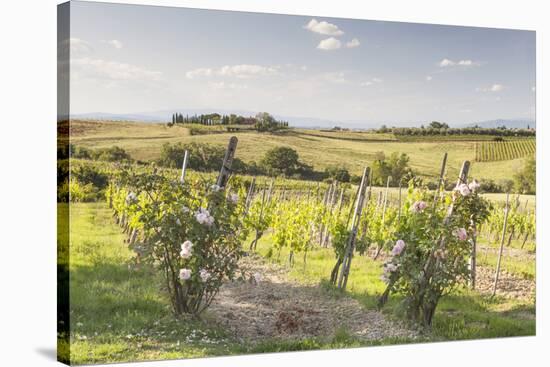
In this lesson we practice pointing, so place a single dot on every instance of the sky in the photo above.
(134, 58)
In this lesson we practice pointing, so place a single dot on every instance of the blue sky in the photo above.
(130, 58)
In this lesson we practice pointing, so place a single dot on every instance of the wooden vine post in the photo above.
(440, 181)
(249, 196)
(399, 204)
(348, 255)
(270, 190)
(384, 206)
(473, 256)
(506, 211)
(225, 171)
(184, 166)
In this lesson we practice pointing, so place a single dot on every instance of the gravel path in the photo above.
(279, 308)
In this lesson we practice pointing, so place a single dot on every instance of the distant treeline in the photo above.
(263, 121)
(441, 128)
(278, 161)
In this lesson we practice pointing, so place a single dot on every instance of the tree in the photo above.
(525, 181)
(111, 154)
(397, 166)
(265, 122)
(439, 125)
(338, 173)
(281, 160)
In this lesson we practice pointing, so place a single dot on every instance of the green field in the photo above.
(320, 149)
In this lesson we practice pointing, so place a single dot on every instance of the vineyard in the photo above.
(257, 255)
(488, 151)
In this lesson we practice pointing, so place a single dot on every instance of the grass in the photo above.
(118, 314)
(353, 149)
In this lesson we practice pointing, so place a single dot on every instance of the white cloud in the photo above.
(329, 44)
(353, 43)
(200, 72)
(446, 62)
(224, 85)
(370, 82)
(337, 77)
(466, 63)
(247, 70)
(99, 69)
(237, 71)
(115, 43)
(492, 88)
(323, 27)
(79, 46)
(429, 78)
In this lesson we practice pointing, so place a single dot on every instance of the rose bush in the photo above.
(191, 233)
(431, 247)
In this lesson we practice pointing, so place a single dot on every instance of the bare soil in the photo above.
(508, 286)
(279, 308)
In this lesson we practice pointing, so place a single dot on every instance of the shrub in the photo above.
(202, 157)
(80, 152)
(86, 174)
(112, 154)
(338, 173)
(396, 167)
(431, 250)
(191, 234)
(525, 181)
(281, 160)
(79, 192)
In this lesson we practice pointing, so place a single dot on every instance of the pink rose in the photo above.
(473, 186)
(398, 248)
(461, 234)
(204, 275)
(419, 206)
(463, 189)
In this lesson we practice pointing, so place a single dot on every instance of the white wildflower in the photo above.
(204, 275)
(131, 198)
(185, 274)
(463, 189)
(234, 198)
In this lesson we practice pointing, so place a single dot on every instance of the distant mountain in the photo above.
(509, 123)
(166, 115)
(294, 121)
(118, 117)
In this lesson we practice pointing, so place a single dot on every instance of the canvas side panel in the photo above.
(63, 152)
